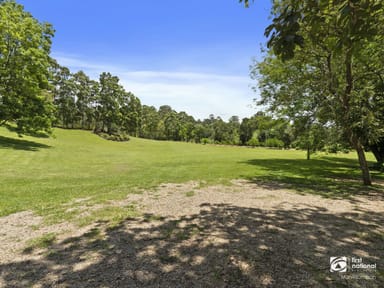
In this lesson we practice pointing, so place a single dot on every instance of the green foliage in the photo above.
(114, 137)
(190, 193)
(274, 143)
(24, 61)
(108, 103)
(322, 63)
(206, 141)
(254, 142)
(41, 242)
(114, 215)
(335, 148)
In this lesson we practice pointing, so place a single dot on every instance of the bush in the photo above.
(206, 141)
(336, 148)
(114, 137)
(253, 142)
(273, 142)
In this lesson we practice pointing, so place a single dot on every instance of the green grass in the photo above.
(190, 194)
(45, 175)
(113, 215)
(41, 242)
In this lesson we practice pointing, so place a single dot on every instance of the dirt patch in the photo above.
(240, 235)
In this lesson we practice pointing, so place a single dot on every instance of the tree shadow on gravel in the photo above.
(20, 144)
(221, 246)
(330, 177)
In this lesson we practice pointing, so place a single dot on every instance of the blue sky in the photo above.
(192, 55)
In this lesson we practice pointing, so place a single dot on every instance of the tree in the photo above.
(24, 61)
(187, 123)
(149, 122)
(131, 114)
(245, 131)
(109, 103)
(64, 96)
(85, 97)
(342, 30)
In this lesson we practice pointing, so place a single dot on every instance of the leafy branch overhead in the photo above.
(336, 50)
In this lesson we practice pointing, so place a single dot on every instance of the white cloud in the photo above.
(198, 94)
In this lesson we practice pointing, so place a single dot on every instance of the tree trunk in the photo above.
(378, 151)
(308, 152)
(346, 105)
(367, 180)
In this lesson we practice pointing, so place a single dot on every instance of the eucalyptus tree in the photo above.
(85, 98)
(64, 96)
(24, 61)
(149, 121)
(245, 131)
(130, 114)
(187, 126)
(108, 104)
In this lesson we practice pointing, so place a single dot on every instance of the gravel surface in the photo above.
(242, 235)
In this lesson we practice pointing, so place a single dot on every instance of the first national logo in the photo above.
(338, 264)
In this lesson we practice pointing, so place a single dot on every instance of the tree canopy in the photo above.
(24, 61)
(325, 62)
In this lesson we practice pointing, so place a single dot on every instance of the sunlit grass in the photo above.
(45, 174)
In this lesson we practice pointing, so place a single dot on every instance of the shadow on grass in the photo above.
(20, 144)
(330, 177)
(36, 134)
(221, 246)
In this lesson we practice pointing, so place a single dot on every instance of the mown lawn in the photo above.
(41, 174)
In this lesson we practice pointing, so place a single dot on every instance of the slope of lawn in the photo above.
(41, 174)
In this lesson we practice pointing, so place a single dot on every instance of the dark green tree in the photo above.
(24, 61)
(109, 102)
(149, 122)
(131, 113)
(64, 96)
(85, 97)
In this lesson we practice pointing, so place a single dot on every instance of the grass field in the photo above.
(192, 233)
(42, 174)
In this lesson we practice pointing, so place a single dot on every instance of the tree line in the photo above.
(36, 93)
(105, 107)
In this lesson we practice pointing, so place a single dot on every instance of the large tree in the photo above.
(64, 96)
(342, 30)
(109, 102)
(24, 61)
(131, 114)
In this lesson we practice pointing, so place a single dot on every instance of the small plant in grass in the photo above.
(152, 217)
(112, 214)
(93, 233)
(35, 227)
(190, 193)
(40, 243)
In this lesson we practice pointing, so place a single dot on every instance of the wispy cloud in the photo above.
(199, 94)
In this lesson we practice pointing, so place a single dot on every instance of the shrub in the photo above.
(114, 137)
(253, 142)
(206, 141)
(275, 143)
